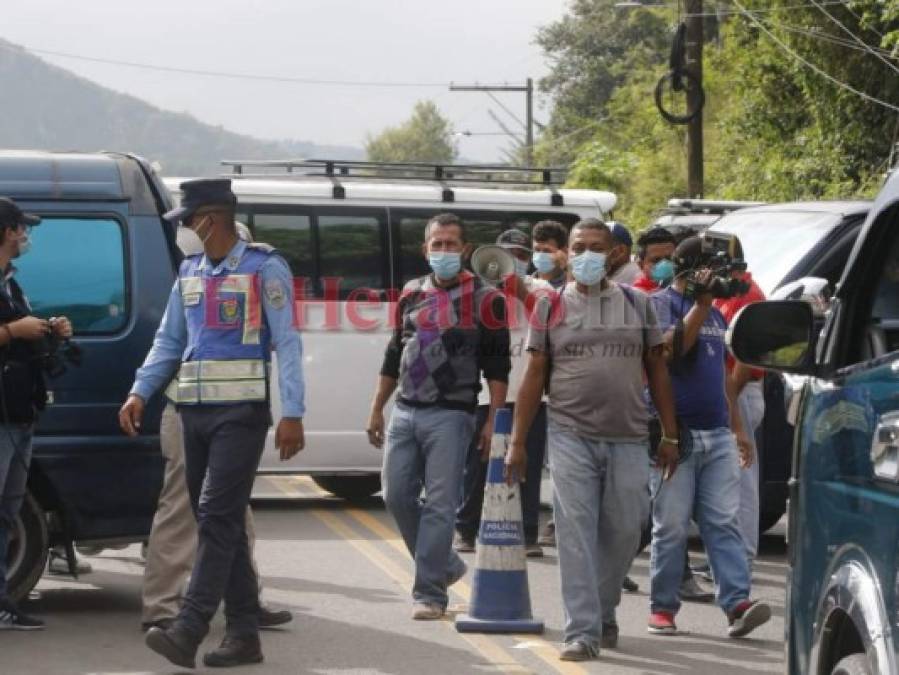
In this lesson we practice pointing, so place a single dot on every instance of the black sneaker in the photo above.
(691, 591)
(12, 619)
(609, 639)
(270, 618)
(746, 617)
(629, 585)
(235, 650)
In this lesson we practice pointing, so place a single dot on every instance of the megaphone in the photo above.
(492, 263)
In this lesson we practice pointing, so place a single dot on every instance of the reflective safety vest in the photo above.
(228, 353)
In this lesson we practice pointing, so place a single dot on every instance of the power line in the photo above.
(505, 108)
(728, 12)
(815, 68)
(231, 75)
(853, 13)
(825, 37)
(855, 37)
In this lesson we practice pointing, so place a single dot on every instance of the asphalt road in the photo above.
(343, 571)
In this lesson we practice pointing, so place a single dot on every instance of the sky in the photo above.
(423, 42)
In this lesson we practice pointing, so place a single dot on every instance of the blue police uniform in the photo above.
(219, 328)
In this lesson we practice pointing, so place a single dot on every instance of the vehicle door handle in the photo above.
(885, 448)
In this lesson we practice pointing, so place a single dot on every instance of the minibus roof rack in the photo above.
(335, 169)
(446, 175)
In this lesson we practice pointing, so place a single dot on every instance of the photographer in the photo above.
(23, 349)
(707, 481)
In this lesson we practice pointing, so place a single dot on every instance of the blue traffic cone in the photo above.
(500, 598)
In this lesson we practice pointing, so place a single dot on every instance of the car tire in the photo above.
(351, 488)
(29, 546)
(854, 664)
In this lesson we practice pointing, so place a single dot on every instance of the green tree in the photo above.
(426, 136)
(775, 129)
(591, 51)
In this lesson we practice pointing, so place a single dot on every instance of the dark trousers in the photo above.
(222, 448)
(468, 517)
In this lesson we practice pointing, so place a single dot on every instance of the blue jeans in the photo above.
(600, 504)
(426, 449)
(15, 456)
(705, 486)
(752, 410)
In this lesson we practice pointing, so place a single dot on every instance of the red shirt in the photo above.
(729, 308)
(646, 284)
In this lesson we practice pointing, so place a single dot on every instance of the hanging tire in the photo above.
(854, 664)
(669, 79)
(29, 546)
(351, 488)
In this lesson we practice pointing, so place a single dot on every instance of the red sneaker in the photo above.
(662, 623)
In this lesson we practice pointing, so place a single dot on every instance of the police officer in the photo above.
(227, 310)
(22, 390)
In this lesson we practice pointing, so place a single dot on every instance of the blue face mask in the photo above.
(521, 268)
(543, 262)
(446, 264)
(663, 271)
(589, 267)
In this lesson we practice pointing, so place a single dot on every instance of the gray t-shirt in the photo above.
(596, 363)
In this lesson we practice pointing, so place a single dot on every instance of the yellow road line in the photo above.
(540, 647)
(492, 652)
(502, 660)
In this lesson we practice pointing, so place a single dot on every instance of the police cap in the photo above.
(202, 192)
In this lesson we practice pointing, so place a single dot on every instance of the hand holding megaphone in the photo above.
(492, 263)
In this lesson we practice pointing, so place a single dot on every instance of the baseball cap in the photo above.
(11, 214)
(620, 234)
(514, 239)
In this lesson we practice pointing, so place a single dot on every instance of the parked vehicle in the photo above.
(692, 216)
(783, 243)
(842, 590)
(103, 257)
(352, 241)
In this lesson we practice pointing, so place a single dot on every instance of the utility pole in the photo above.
(528, 90)
(693, 59)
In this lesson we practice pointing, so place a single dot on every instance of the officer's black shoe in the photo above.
(235, 650)
(174, 644)
(159, 623)
(271, 618)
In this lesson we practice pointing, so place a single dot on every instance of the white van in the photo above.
(356, 241)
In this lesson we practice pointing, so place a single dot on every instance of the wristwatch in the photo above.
(669, 441)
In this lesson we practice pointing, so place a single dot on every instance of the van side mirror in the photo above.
(777, 335)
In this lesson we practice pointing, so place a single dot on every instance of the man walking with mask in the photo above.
(621, 269)
(655, 251)
(228, 309)
(595, 343)
(450, 329)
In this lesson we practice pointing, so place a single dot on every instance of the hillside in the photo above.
(50, 108)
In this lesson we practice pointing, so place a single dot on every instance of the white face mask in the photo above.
(196, 229)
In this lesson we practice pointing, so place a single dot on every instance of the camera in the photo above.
(720, 253)
(55, 352)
